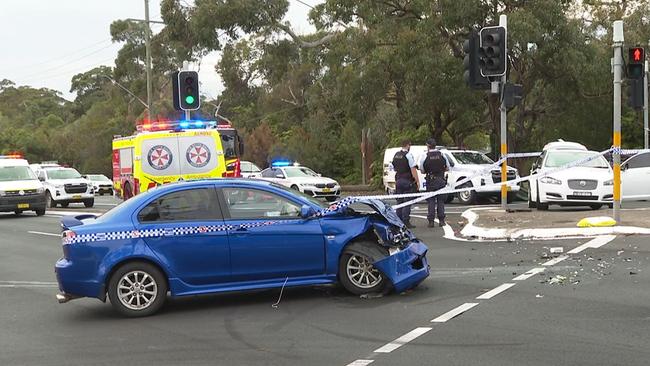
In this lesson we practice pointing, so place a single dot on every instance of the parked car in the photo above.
(304, 180)
(463, 164)
(20, 190)
(249, 170)
(635, 177)
(101, 183)
(209, 236)
(65, 185)
(589, 184)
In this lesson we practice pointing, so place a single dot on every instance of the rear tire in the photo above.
(89, 203)
(18, 212)
(40, 212)
(65, 204)
(356, 273)
(137, 289)
(295, 187)
(449, 199)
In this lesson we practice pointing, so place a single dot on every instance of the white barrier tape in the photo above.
(424, 196)
(523, 155)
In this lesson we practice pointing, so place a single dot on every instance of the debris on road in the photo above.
(557, 279)
(539, 296)
(557, 250)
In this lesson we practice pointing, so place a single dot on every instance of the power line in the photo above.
(62, 57)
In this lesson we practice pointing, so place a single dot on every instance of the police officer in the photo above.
(434, 165)
(406, 180)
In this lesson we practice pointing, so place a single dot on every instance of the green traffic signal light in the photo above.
(189, 99)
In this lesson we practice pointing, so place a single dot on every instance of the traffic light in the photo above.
(513, 95)
(186, 90)
(492, 51)
(635, 93)
(635, 62)
(472, 74)
(635, 70)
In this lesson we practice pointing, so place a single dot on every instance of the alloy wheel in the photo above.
(362, 273)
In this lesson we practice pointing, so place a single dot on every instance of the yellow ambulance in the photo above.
(164, 152)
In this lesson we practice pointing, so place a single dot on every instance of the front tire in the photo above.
(357, 274)
(596, 206)
(467, 197)
(49, 202)
(137, 289)
(541, 206)
(40, 212)
(65, 204)
(89, 203)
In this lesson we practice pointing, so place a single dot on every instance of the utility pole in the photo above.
(503, 22)
(645, 105)
(147, 44)
(617, 64)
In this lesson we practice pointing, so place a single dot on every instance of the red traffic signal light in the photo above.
(636, 55)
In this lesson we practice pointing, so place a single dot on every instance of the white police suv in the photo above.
(302, 179)
(20, 190)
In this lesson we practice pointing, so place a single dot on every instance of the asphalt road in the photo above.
(598, 313)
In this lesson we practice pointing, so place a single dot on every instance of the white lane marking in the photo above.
(454, 312)
(361, 363)
(72, 213)
(495, 291)
(593, 243)
(529, 274)
(555, 261)
(42, 233)
(399, 342)
(19, 284)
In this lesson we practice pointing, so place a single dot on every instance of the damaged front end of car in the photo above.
(403, 256)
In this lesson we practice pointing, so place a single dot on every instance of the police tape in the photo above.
(418, 197)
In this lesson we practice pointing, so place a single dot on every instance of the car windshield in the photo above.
(97, 177)
(556, 159)
(68, 173)
(249, 167)
(464, 157)
(9, 173)
(299, 172)
(311, 199)
(229, 143)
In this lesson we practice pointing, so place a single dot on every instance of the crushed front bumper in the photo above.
(406, 268)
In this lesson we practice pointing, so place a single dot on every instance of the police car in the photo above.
(101, 183)
(302, 179)
(20, 190)
(589, 184)
(463, 164)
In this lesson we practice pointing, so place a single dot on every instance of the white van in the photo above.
(20, 190)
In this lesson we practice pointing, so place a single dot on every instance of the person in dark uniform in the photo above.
(434, 165)
(406, 180)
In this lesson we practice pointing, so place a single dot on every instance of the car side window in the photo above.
(268, 173)
(198, 204)
(41, 175)
(245, 203)
(639, 161)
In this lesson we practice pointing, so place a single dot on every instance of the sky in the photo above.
(44, 43)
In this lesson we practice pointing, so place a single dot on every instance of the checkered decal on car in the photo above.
(164, 232)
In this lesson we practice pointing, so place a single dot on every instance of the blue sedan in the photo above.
(221, 235)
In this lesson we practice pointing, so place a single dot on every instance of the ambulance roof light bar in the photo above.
(175, 126)
(12, 156)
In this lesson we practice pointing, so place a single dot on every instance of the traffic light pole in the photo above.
(503, 22)
(645, 106)
(147, 44)
(616, 155)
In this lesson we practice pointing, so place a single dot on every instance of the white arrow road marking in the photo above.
(593, 243)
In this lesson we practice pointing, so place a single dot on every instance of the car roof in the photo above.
(564, 145)
(13, 162)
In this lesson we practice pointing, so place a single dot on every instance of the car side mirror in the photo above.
(42, 179)
(451, 163)
(84, 176)
(307, 211)
(320, 175)
(241, 148)
(623, 167)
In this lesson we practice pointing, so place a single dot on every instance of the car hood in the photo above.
(68, 181)
(601, 174)
(17, 185)
(478, 167)
(385, 210)
(312, 180)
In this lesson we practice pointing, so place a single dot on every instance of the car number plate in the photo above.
(581, 193)
(23, 205)
(326, 190)
(76, 196)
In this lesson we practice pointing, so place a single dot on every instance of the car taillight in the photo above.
(67, 236)
(136, 184)
(151, 185)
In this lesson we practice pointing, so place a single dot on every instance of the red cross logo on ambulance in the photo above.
(159, 157)
(198, 155)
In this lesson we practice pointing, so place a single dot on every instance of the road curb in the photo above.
(471, 231)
